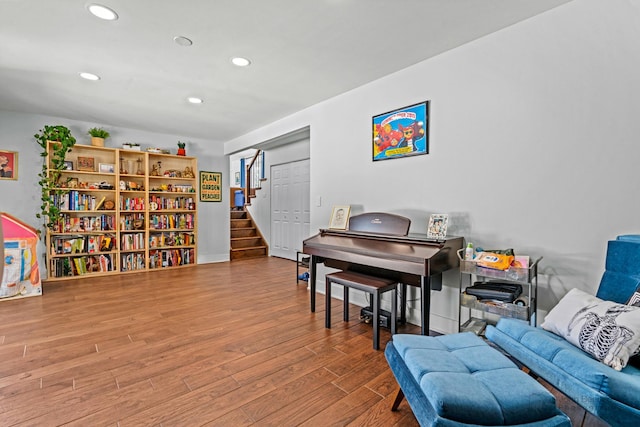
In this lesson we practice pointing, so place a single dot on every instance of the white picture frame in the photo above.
(106, 168)
(437, 228)
(339, 217)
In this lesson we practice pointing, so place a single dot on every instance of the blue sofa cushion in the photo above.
(465, 380)
(623, 386)
(622, 269)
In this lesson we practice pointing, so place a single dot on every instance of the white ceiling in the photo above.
(302, 52)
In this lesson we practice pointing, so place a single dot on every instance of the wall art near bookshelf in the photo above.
(138, 214)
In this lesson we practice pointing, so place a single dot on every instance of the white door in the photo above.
(290, 208)
(279, 210)
(301, 204)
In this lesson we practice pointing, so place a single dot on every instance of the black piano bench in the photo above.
(375, 286)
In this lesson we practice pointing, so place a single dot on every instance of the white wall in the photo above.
(533, 144)
(21, 198)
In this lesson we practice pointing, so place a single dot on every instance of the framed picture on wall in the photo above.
(401, 133)
(8, 164)
(210, 186)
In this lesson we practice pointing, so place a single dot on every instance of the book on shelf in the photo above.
(100, 203)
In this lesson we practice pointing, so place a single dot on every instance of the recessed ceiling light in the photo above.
(194, 100)
(182, 41)
(89, 76)
(240, 62)
(102, 12)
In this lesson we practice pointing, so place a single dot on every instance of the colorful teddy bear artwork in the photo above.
(410, 134)
(385, 137)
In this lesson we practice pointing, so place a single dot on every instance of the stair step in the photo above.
(241, 223)
(238, 215)
(243, 232)
(252, 252)
(249, 247)
(246, 242)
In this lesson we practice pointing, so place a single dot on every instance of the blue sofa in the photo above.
(613, 396)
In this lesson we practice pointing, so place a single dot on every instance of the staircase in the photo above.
(246, 239)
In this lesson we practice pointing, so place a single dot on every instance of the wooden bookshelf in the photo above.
(126, 211)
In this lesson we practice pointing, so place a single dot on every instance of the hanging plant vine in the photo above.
(53, 159)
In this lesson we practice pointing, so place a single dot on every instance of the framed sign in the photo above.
(401, 133)
(8, 164)
(210, 186)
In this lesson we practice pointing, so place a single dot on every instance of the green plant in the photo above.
(52, 166)
(98, 133)
(181, 144)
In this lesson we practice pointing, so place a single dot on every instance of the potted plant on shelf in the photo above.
(53, 163)
(181, 150)
(98, 135)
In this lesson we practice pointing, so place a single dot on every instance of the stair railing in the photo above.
(254, 174)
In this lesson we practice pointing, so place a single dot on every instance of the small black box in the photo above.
(384, 320)
(501, 291)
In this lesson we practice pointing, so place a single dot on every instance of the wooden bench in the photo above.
(375, 286)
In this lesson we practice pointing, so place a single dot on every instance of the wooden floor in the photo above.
(225, 344)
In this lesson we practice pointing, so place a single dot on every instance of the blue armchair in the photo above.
(613, 396)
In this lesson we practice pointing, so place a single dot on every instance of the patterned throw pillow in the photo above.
(608, 331)
(635, 299)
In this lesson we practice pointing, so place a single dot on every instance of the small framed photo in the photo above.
(68, 165)
(339, 217)
(437, 228)
(106, 168)
(8, 165)
(86, 164)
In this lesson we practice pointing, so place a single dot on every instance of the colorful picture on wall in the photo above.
(210, 186)
(8, 164)
(401, 133)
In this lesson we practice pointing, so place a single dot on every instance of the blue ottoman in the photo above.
(459, 380)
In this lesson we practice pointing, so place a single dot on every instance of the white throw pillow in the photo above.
(608, 331)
